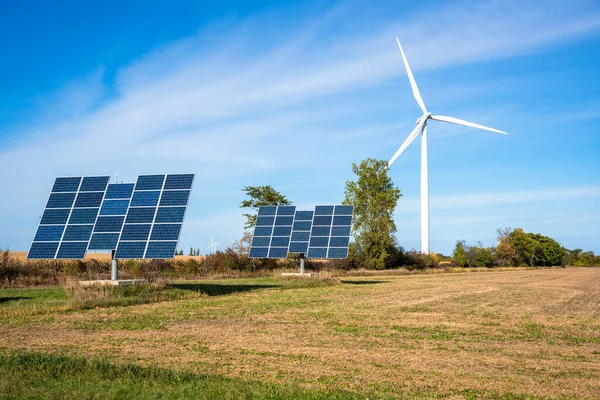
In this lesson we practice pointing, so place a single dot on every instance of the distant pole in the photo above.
(302, 263)
(114, 273)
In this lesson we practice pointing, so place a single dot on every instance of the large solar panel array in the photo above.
(322, 233)
(141, 220)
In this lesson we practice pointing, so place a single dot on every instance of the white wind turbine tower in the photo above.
(213, 246)
(421, 128)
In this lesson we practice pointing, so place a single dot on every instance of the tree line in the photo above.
(375, 246)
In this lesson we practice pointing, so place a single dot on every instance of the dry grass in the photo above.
(22, 255)
(535, 332)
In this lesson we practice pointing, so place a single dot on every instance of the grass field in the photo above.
(519, 334)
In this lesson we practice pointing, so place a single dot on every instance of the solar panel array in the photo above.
(141, 220)
(322, 233)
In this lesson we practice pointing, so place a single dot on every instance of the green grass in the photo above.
(40, 376)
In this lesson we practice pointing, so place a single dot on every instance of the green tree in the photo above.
(374, 198)
(261, 196)
(536, 250)
(460, 253)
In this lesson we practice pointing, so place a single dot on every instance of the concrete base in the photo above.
(108, 282)
(307, 274)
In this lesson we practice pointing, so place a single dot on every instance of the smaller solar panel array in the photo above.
(323, 233)
(69, 217)
(141, 220)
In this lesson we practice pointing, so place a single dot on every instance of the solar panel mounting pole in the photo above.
(114, 272)
(302, 263)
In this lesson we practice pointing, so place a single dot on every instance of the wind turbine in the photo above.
(421, 128)
(213, 245)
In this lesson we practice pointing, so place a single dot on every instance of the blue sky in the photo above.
(290, 94)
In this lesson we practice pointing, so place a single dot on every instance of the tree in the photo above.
(460, 253)
(261, 196)
(535, 249)
(374, 198)
(242, 247)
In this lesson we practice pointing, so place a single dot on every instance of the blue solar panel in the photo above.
(278, 252)
(320, 231)
(114, 207)
(145, 199)
(83, 216)
(55, 217)
(322, 220)
(181, 181)
(298, 247)
(317, 252)
(49, 233)
(66, 184)
(161, 249)
(319, 241)
(61, 200)
(343, 241)
(78, 233)
(119, 191)
(300, 236)
(337, 252)
(165, 232)
(259, 252)
(175, 198)
(263, 231)
(323, 210)
(265, 221)
(282, 231)
(261, 241)
(130, 250)
(72, 250)
(43, 250)
(89, 199)
(302, 225)
(136, 231)
(170, 214)
(303, 216)
(149, 182)
(267, 210)
(340, 230)
(286, 210)
(287, 221)
(343, 210)
(141, 215)
(342, 220)
(109, 224)
(104, 241)
(94, 184)
(280, 241)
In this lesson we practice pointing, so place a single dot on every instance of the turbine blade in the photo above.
(457, 121)
(408, 141)
(411, 78)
